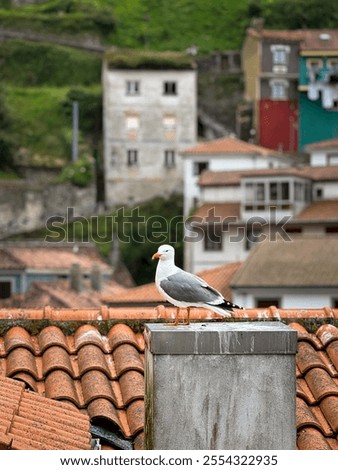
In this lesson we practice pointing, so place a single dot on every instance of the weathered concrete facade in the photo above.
(26, 206)
(150, 115)
(220, 386)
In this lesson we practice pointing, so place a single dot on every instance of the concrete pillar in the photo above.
(220, 386)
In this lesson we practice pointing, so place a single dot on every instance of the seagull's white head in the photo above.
(165, 252)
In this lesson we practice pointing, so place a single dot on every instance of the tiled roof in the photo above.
(31, 421)
(274, 34)
(310, 262)
(217, 210)
(312, 40)
(228, 145)
(219, 277)
(323, 144)
(220, 178)
(50, 258)
(317, 388)
(224, 178)
(98, 369)
(320, 210)
(60, 294)
(309, 39)
(99, 374)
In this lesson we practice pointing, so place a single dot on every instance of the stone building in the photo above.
(150, 115)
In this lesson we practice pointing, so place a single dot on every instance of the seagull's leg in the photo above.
(175, 323)
(187, 322)
(176, 316)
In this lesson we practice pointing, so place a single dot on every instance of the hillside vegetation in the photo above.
(38, 77)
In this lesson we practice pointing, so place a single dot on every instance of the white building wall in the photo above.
(318, 158)
(197, 258)
(297, 298)
(329, 189)
(221, 194)
(222, 162)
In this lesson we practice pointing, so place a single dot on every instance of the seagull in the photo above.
(185, 290)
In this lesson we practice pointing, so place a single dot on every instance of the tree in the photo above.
(7, 141)
(300, 14)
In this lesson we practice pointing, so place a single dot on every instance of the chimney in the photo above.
(76, 277)
(229, 385)
(96, 278)
(257, 24)
(115, 254)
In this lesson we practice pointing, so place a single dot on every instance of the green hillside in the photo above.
(37, 76)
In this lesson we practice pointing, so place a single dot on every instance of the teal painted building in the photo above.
(318, 87)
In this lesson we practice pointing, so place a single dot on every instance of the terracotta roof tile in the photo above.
(91, 357)
(312, 417)
(323, 144)
(327, 334)
(224, 178)
(320, 210)
(127, 357)
(308, 358)
(304, 262)
(228, 145)
(52, 336)
(309, 39)
(311, 438)
(121, 334)
(321, 383)
(35, 422)
(51, 257)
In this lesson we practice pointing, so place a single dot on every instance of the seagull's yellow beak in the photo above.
(156, 256)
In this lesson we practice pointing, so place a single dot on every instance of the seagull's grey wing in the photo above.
(186, 287)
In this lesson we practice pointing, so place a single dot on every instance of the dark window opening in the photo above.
(170, 88)
(212, 239)
(169, 158)
(5, 289)
(132, 156)
(333, 229)
(199, 167)
(266, 303)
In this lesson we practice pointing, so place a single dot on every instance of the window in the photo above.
(332, 159)
(212, 239)
(334, 303)
(132, 87)
(266, 303)
(169, 158)
(253, 235)
(314, 67)
(278, 89)
(199, 167)
(169, 122)
(332, 229)
(5, 289)
(261, 195)
(132, 156)
(319, 193)
(169, 127)
(254, 192)
(170, 88)
(280, 54)
(132, 122)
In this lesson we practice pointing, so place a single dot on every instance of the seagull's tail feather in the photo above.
(226, 308)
